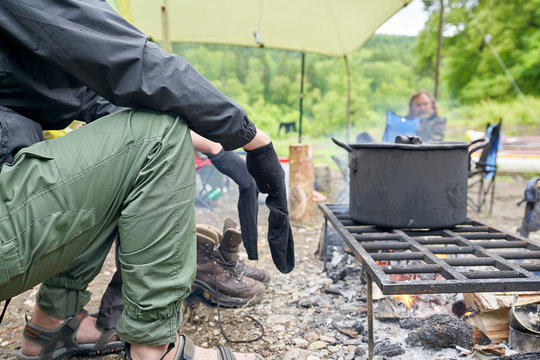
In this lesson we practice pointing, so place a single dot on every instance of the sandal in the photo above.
(186, 351)
(60, 343)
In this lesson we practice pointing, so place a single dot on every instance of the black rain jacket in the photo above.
(65, 60)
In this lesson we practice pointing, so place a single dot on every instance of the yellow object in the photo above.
(53, 134)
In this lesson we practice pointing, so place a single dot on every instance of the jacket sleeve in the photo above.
(93, 43)
(95, 107)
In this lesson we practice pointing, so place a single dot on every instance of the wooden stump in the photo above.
(301, 182)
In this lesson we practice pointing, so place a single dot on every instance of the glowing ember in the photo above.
(407, 299)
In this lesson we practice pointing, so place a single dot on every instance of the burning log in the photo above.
(492, 349)
(440, 331)
(493, 310)
(387, 349)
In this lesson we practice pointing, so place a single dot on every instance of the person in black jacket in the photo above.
(133, 170)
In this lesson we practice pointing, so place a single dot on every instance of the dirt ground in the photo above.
(283, 333)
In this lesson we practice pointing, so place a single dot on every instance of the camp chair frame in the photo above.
(483, 174)
(206, 174)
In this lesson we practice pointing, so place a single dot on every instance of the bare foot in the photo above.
(88, 330)
(156, 352)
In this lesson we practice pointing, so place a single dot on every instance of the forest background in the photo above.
(474, 89)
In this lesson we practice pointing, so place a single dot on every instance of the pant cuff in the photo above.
(152, 329)
(61, 302)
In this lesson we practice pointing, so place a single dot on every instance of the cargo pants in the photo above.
(62, 199)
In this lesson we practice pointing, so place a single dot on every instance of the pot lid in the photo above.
(438, 145)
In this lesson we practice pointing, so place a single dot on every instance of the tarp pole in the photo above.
(439, 49)
(348, 97)
(165, 27)
(301, 98)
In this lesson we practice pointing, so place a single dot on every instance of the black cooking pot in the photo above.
(408, 184)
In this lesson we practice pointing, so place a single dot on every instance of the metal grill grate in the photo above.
(470, 257)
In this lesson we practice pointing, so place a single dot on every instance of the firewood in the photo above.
(494, 310)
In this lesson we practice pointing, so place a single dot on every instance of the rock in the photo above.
(359, 351)
(311, 336)
(285, 320)
(349, 326)
(301, 343)
(328, 339)
(296, 354)
(317, 345)
(333, 348)
(390, 309)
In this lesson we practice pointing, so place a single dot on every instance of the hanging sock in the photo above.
(232, 165)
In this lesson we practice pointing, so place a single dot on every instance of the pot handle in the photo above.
(484, 142)
(343, 145)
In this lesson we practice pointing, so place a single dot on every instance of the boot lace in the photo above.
(257, 322)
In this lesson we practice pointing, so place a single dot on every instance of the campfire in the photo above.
(416, 270)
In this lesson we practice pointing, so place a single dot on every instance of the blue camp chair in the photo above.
(482, 173)
(395, 125)
(399, 125)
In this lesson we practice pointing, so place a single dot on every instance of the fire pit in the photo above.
(470, 257)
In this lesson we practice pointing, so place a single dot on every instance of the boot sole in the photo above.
(211, 295)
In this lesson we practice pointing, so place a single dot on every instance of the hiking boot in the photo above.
(228, 248)
(210, 232)
(220, 280)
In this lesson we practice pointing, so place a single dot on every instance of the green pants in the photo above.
(61, 199)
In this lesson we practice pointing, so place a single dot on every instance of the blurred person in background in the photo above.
(423, 106)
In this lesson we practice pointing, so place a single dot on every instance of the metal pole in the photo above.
(370, 315)
(439, 50)
(325, 242)
(301, 99)
(165, 27)
(348, 97)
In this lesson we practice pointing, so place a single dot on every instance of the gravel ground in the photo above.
(305, 314)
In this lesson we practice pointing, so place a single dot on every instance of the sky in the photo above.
(408, 21)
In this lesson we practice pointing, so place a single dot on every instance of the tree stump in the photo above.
(301, 182)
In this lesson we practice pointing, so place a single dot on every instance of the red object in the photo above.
(199, 163)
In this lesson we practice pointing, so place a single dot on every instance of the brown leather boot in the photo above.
(220, 281)
(210, 231)
(228, 248)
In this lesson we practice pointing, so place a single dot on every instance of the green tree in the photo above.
(471, 68)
